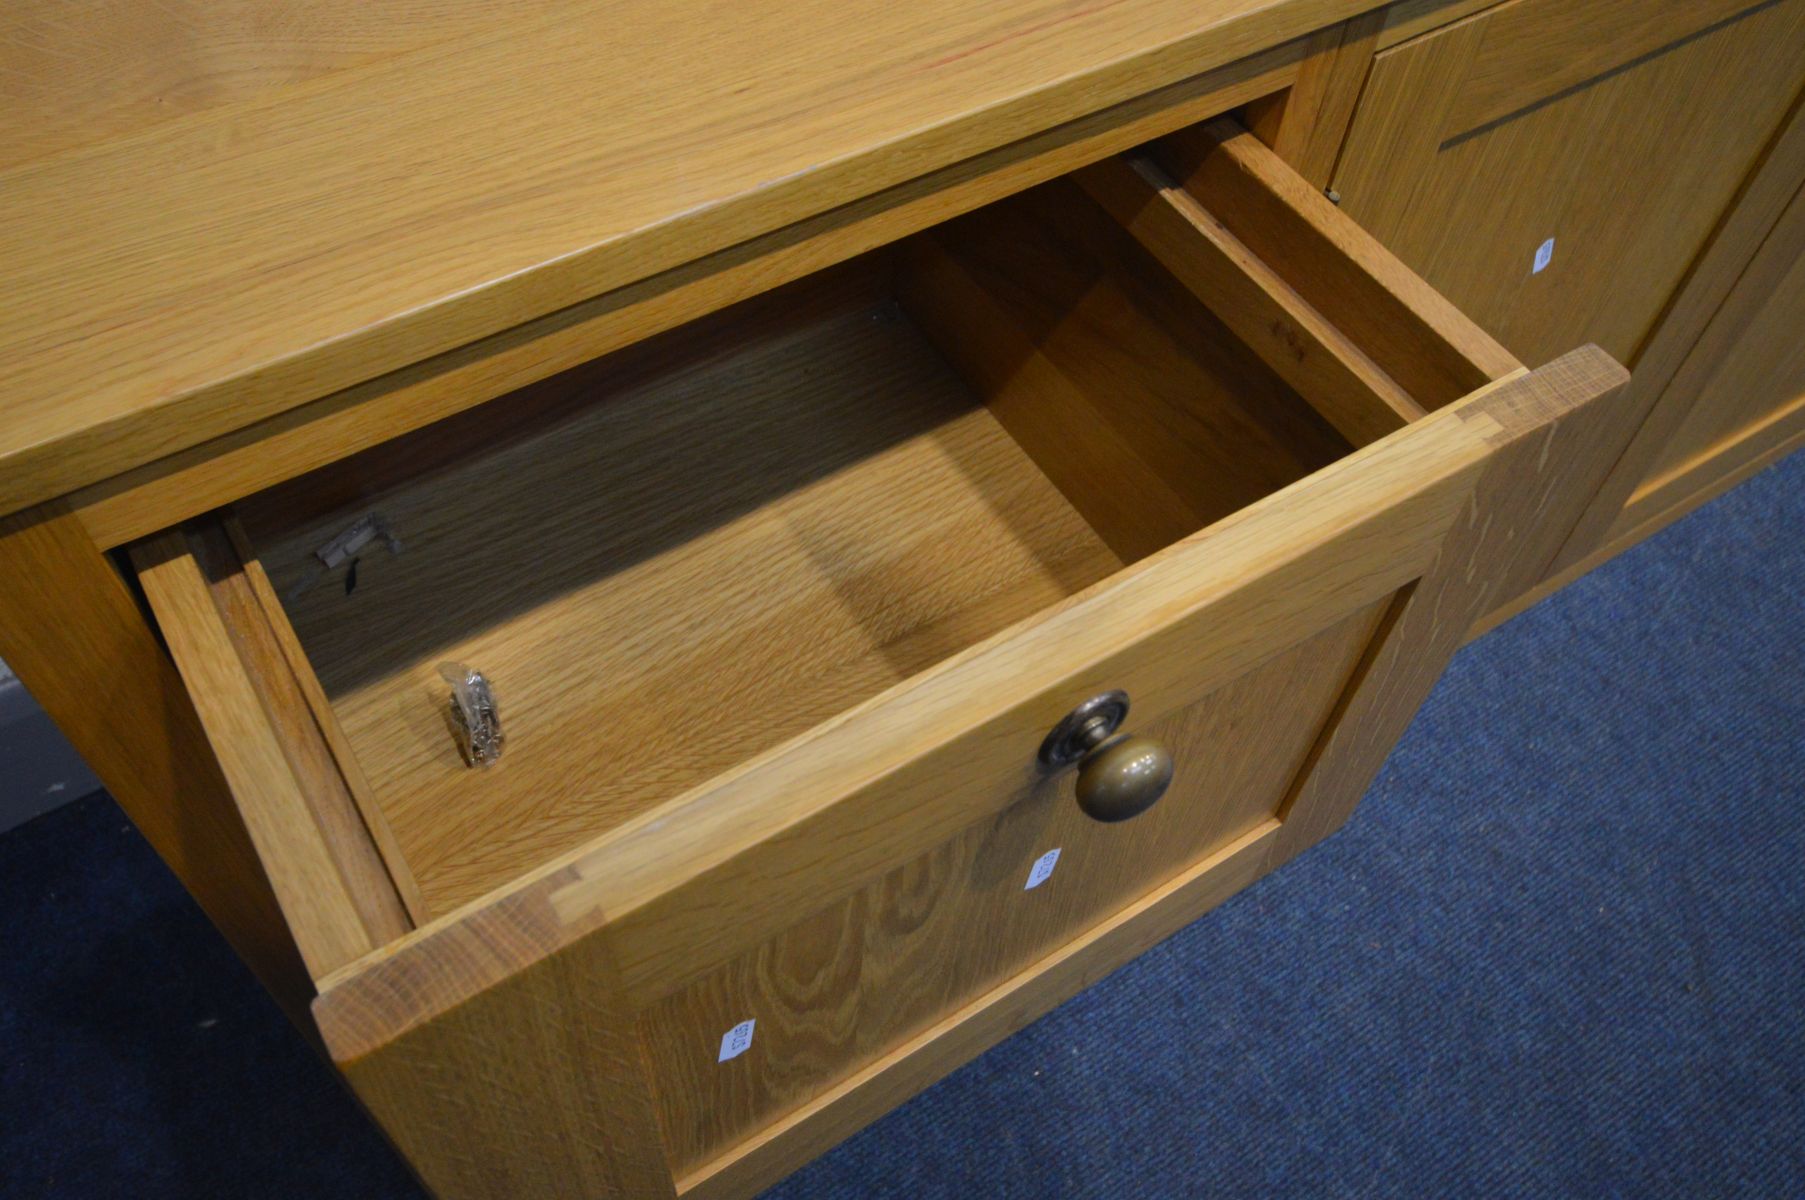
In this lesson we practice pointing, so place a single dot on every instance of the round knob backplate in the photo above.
(1084, 729)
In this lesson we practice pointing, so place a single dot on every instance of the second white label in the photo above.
(1042, 868)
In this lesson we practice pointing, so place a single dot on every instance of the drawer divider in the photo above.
(361, 794)
(1351, 391)
(1416, 336)
(328, 874)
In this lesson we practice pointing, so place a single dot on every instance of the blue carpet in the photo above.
(1559, 952)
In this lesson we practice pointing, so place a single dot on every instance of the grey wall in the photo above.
(38, 769)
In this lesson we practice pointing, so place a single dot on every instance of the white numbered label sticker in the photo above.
(1544, 256)
(737, 1040)
(1042, 868)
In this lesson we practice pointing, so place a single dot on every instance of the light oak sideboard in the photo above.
(942, 494)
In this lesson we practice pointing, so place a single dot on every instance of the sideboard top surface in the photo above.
(237, 208)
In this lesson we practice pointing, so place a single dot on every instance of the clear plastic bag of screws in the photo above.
(474, 720)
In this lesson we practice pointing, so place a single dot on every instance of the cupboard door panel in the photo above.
(1555, 168)
(1742, 389)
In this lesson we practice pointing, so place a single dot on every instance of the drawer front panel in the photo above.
(572, 1027)
(853, 981)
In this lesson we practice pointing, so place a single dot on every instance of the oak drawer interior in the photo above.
(673, 559)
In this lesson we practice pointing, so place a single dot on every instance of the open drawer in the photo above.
(778, 609)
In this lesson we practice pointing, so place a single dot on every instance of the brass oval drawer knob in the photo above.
(1120, 775)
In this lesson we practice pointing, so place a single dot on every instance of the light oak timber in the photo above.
(1738, 399)
(1051, 407)
(810, 823)
(1296, 341)
(190, 482)
(1564, 427)
(407, 1023)
(297, 256)
(1306, 124)
(1355, 532)
(677, 910)
(325, 873)
(996, 549)
(1266, 115)
(1559, 430)
(1676, 494)
(1647, 241)
(536, 1090)
(962, 1035)
(1755, 214)
(279, 513)
(72, 632)
(1429, 467)
(1536, 48)
(370, 831)
(840, 989)
(1542, 119)
(1134, 398)
(1748, 367)
(169, 60)
(708, 584)
(1692, 482)
(1753, 395)
(786, 525)
(1408, 19)
(1424, 343)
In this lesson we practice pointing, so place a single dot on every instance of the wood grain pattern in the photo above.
(1748, 366)
(1407, 19)
(655, 906)
(1324, 365)
(71, 630)
(662, 900)
(1406, 327)
(740, 549)
(368, 839)
(110, 68)
(1535, 49)
(1063, 423)
(325, 872)
(963, 1034)
(898, 775)
(1693, 481)
(1555, 433)
(752, 591)
(1738, 401)
(1763, 197)
(845, 986)
(819, 595)
(1675, 494)
(190, 482)
(1306, 124)
(871, 789)
(1141, 406)
(536, 1090)
(356, 840)
(1465, 157)
(804, 826)
(296, 253)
